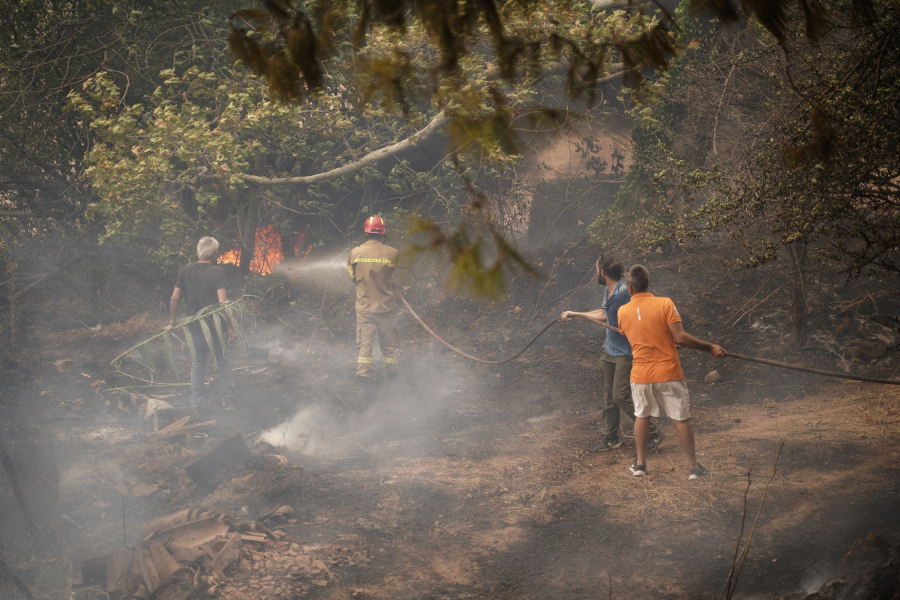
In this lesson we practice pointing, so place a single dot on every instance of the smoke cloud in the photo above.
(306, 432)
(412, 410)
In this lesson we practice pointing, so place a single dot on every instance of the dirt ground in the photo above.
(460, 480)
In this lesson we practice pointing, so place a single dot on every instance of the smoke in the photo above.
(336, 418)
(316, 430)
(286, 355)
(410, 410)
(813, 583)
(306, 432)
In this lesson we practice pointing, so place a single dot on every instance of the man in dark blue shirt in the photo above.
(616, 359)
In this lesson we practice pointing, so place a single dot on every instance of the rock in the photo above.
(713, 377)
(870, 547)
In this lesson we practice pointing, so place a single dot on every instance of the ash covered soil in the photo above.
(461, 480)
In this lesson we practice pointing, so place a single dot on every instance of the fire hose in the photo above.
(469, 356)
(773, 363)
(849, 376)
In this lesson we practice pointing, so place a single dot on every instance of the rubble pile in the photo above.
(287, 569)
(197, 553)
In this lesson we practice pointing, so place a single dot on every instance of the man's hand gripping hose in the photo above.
(764, 361)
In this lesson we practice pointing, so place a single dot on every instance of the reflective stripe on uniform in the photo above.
(389, 361)
(363, 359)
(350, 271)
(385, 261)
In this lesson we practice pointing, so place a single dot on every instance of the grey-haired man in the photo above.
(202, 284)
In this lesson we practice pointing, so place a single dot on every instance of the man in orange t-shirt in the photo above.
(654, 330)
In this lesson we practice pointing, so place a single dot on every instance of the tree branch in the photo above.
(371, 158)
(15, 297)
(719, 109)
(376, 155)
(565, 65)
(612, 76)
(15, 213)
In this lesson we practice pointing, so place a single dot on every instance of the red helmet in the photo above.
(374, 224)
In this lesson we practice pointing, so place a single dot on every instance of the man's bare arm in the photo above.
(594, 315)
(686, 340)
(173, 308)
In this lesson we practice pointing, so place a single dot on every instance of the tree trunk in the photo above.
(248, 238)
(799, 333)
(246, 257)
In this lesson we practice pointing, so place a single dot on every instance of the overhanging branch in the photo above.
(377, 155)
(371, 158)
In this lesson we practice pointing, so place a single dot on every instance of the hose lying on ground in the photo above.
(764, 361)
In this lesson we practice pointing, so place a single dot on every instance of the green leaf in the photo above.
(167, 339)
(207, 335)
(147, 357)
(217, 321)
(189, 338)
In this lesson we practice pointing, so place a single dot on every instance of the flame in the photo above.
(267, 254)
(232, 257)
(299, 243)
(268, 251)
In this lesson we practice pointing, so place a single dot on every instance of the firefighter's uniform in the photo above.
(371, 266)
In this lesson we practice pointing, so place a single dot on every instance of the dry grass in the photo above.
(136, 326)
(143, 325)
(881, 414)
(668, 492)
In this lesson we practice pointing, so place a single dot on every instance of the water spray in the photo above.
(330, 269)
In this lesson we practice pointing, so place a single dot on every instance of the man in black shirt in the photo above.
(203, 284)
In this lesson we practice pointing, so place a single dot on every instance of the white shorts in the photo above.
(670, 396)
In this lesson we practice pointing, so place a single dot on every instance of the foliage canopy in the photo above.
(774, 145)
(132, 124)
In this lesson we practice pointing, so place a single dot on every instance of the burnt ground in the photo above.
(461, 480)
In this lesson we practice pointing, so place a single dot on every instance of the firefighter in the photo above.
(371, 266)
